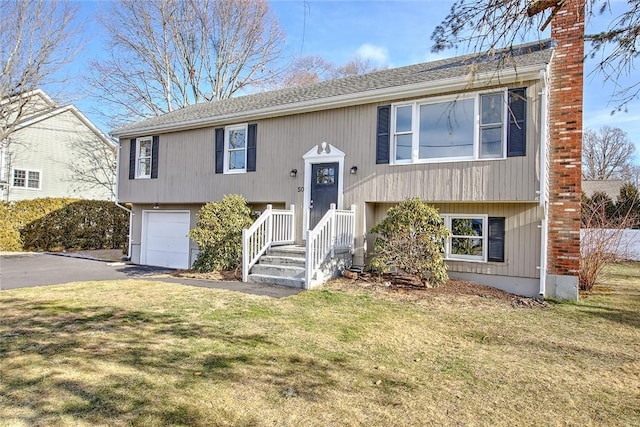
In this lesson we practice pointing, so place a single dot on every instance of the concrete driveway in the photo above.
(39, 269)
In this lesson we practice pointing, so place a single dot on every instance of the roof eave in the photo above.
(467, 82)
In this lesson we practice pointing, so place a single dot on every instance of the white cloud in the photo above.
(376, 54)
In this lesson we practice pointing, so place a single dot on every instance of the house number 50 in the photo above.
(300, 189)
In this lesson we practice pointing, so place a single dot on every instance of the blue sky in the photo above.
(392, 33)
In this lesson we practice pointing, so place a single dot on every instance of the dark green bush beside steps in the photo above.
(53, 224)
(411, 240)
(219, 233)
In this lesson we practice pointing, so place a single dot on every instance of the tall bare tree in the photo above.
(483, 25)
(94, 165)
(607, 154)
(167, 54)
(35, 43)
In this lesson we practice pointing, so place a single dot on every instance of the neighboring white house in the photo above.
(55, 151)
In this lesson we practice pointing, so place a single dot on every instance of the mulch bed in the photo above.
(401, 289)
(404, 290)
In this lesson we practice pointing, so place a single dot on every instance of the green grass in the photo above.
(146, 353)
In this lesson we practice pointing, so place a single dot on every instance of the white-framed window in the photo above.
(144, 152)
(469, 237)
(235, 148)
(453, 128)
(23, 178)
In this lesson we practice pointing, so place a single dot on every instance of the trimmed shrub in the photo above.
(411, 240)
(51, 224)
(9, 235)
(219, 233)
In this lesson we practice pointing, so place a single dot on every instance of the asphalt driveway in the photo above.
(40, 269)
(27, 270)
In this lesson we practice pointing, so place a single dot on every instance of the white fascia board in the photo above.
(27, 95)
(467, 82)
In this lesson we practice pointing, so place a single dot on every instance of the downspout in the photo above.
(543, 183)
(117, 202)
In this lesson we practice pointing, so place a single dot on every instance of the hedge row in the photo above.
(51, 224)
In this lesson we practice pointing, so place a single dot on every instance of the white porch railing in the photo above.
(273, 227)
(336, 230)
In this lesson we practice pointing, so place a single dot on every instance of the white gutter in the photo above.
(544, 226)
(117, 202)
(466, 82)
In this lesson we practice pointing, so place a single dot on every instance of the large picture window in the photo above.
(466, 127)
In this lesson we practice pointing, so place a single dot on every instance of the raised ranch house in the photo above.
(54, 151)
(496, 150)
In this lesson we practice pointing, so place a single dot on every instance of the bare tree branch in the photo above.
(618, 46)
(607, 154)
(94, 165)
(485, 25)
(603, 228)
(313, 69)
(35, 42)
(167, 54)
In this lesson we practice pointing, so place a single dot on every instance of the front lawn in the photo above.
(150, 353)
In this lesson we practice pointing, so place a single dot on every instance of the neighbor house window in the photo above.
(465, 127)
(26, 179)
(144, 153)
(235, 148)
(468, 240)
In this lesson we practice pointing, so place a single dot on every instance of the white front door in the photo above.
(164, 239)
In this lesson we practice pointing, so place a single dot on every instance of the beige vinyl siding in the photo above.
(186, 165)
(505, 187)
(136, 228)
(522, 236)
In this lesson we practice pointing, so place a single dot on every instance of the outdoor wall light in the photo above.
(353, 170)
(156, 206)
(293, 173)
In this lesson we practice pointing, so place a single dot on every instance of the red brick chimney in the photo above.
(565, 136)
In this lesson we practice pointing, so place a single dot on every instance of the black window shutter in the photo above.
(154, 156)
(517, 131)
(382, 134)
(252, 132)
(219, 150)
(132, 159)
(496, 239)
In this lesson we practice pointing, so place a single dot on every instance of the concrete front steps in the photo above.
(281, 265)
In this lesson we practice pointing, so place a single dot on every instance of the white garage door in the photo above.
(165, 242)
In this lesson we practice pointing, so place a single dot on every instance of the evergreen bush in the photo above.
(219, 233)
(52, 224)
(411, 240)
